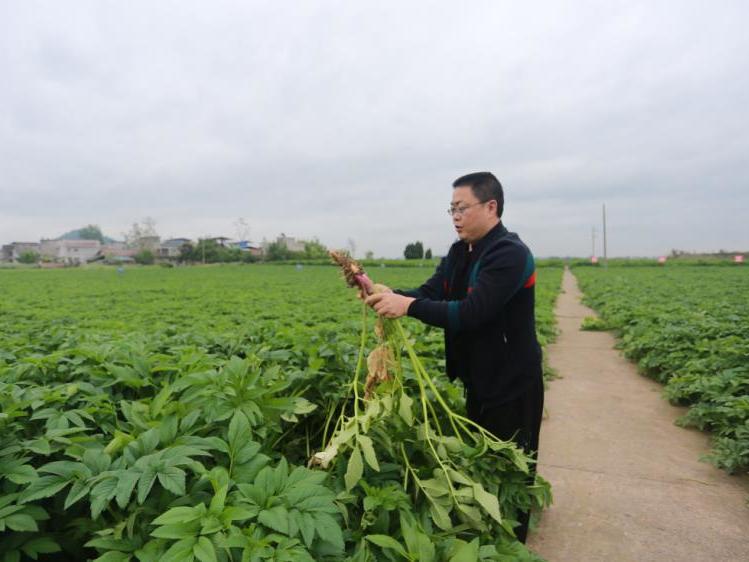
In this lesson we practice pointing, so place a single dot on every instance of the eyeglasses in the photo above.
(452, 211)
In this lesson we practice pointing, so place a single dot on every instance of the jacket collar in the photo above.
(497, 231)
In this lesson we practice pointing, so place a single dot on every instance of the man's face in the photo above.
(476, 218)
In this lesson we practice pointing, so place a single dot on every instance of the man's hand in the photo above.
(376, 288)
(389, 305)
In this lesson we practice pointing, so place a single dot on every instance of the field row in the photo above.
(689, 329)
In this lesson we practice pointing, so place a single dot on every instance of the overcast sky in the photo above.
(351, 120)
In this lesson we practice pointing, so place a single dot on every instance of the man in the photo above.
(482, 294)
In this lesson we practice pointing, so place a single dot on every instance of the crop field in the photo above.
(171, 414)
(687, 327)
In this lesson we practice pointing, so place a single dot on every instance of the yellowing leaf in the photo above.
(355, 469)
(369, 452)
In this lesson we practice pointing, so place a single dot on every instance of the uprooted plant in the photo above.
(460, 477)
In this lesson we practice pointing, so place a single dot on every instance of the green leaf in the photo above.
(329, 530)
(10, 509)
(40, 446)
(276, 518)
(67, 469)
(488, 501)
(385, 541)
(21, 522)
(354, 470)
(303, 406)
(43, 487)
(145, 483)
(180, 514)
(125, 486)
(211, 524)
(101, 494)
(426, 551)
(234, 513)
(177, 531)
(239, 429)
(306, 524)
(180, 551)
(22, 474)
(110, 543)
(369, 452)
(440, 516)
(405, 411)
(204, 550)
(97, 460)
(78, 491)
(280, 474)
(114, 557)
(173, 479)
(40, 545)
(466, 552)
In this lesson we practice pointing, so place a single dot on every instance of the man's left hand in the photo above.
(389, 305)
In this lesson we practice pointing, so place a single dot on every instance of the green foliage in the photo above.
(28, 257)
(594, 324)
(91, 232)
(145, 257)
(210, 251)
(278, 251)
(169, 414)
(313, 250)
(414, 251)
(689, 329)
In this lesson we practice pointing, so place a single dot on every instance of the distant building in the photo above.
(70, 251)
(116, 252)
(170, 249)
(247, 246)
(292, 244)
(11, 252)
(221, 241)
(151, 243)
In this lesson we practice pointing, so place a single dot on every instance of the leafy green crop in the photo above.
(687, 327)
(168, 414)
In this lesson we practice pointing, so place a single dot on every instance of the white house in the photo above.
(292, 244)
(70, 251)
(172, 247)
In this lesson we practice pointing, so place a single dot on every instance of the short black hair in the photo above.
(485, 186)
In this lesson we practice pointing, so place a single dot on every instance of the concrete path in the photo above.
(628, 484)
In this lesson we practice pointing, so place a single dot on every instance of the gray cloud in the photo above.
(341, 120)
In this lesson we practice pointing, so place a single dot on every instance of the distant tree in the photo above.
(242, 228)
(28, 257)
(276, 251)
(91, 232)
(145, 257)
(352, 247)
(428, 254)
(186, 253)
(141, 235)
(414, 251)
(369, 255)
(314, 249)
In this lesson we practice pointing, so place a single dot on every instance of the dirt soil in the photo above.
(628, 484)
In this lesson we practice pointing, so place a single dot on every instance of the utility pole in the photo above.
(605, 255)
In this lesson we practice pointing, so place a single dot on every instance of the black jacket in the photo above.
(484, 299)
